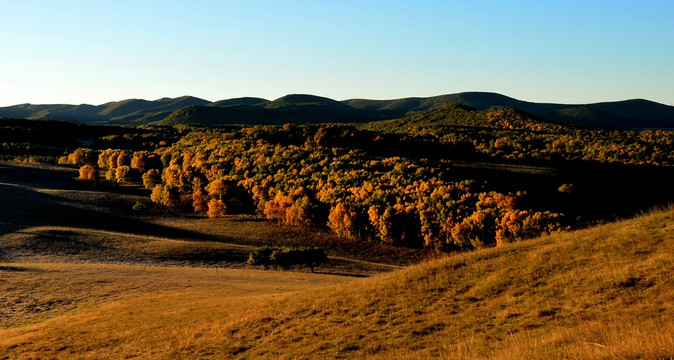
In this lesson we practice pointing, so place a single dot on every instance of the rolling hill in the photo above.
(446, 117)
(599, 293)
(295, 108)
(302, 108)
(636, 113)
(239, 102)
(131, 111)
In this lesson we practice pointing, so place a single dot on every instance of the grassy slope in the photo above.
(597, 293)
(106, 311)
(605, 292)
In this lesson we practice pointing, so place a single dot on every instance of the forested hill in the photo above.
(635, 113)
(298, 108)
(448, 117)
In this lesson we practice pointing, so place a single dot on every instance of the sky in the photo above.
(567, 51)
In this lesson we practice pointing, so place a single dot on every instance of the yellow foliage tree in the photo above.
(216, 208)
(87, 172)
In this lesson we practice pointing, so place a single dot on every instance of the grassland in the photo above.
(91, 280)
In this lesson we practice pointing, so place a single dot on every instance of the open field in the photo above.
(161, 308)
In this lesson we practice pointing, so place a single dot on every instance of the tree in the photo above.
(217, 189)
(82, 156)
(216, 208)
(166, 195)
(151, 178)
(199, 201)
(87, 172)
(123, 174)
(287, 258)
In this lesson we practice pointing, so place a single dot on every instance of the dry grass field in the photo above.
(111, 311)
(157, 288)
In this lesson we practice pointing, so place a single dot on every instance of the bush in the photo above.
(286, 258)
(261, 256)
(140, 206)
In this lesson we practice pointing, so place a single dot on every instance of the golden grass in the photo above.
(103, 311)
(601, 293)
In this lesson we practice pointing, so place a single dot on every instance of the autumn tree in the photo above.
(82, 156)
(216, 208)
(199, 201)
(165, 195)
(123, 174)
(87, 172)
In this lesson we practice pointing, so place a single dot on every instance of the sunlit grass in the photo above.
(117, 311)
(600, 293)
(606, 289)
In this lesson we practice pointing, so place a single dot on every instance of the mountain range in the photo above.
(298, 108)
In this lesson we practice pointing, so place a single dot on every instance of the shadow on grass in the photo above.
(340, 274)
(22, 207)
(10, 268)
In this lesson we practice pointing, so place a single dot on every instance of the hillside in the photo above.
(598, 293)
(296, 108)
(636, 113)
(239, 102)
(446, 117)
(303, 108)
(131, 111)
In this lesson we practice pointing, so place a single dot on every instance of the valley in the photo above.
(450, 233)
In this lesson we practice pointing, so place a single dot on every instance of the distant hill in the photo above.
(446, 117)
(303, 108)
(305, 101)
(214, 116)
(239, 101)
(636, 113)
(295, 108)
(131, 111)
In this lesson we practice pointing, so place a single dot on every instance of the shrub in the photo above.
(286, 258)
(261, 257)
(140, 206)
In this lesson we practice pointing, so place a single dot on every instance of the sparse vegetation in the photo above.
(287, 258)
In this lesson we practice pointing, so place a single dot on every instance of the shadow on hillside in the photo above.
(340, 274)
(22, 207)
(15, 269)
(47, 176)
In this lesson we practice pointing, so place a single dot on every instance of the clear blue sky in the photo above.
(546, 51)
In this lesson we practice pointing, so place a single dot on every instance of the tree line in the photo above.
(369, 183)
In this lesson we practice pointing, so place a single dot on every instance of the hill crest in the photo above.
(305, 108)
